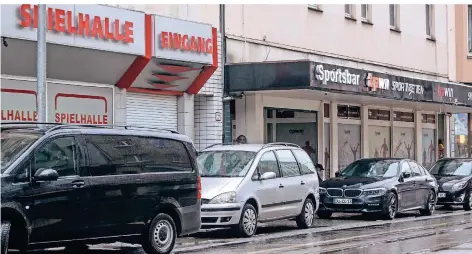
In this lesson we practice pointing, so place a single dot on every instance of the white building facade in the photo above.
(355, 81)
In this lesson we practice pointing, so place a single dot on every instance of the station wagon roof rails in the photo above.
(144, 127)
(23, 125)
(280, 144)
(210, 146)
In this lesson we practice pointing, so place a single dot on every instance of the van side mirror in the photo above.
(268, 175)
(46, 174)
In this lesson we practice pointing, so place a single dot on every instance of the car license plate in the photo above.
(342, 201)
(441, 195)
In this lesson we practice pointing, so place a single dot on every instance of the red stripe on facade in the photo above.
(10, 90)
(176, 68)
(161, 86)
(207, 71)
(168, 78)
(140, 62)
(155, 92)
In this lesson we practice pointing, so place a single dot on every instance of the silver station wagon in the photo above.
(250, 183)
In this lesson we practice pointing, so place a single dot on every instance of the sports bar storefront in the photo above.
(356, 113)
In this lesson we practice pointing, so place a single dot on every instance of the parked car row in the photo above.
(66, 185)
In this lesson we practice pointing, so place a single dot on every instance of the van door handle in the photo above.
(302, 183)
(78, 184)
(281, 186)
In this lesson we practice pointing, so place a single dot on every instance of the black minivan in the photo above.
(66, 185)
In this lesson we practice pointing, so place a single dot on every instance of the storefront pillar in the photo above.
(334, 138)
(321, 131)
(185, 114)
(364, 132)
(418, 138)
(120, 106)
(447, 135)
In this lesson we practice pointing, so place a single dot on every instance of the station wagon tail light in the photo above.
(199, 188)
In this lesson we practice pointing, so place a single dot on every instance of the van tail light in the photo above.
(199, 188)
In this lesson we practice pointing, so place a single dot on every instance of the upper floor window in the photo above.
(365, 12)
(316, 7)
(349, 11)
(469, 30)
(394, 16)
(429, 20)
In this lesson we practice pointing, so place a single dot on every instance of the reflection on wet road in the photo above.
(354, 234)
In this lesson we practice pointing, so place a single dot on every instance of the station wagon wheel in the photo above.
(468, 202)
(307, 216)
(161, 235)
(248, 221)
(430, 205)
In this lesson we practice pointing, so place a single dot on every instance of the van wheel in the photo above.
(430, 205)
(248, 222)
(324, 214)
(161, 235)
(6, 226)
(307, 216)
(468, 202)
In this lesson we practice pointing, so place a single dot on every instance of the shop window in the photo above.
(429, 20)
(285, 113)
(379, 142)
(326, 110)
(349, 112)
(403, 143)
(408, 117)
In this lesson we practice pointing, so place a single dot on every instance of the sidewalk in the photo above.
(461, 249)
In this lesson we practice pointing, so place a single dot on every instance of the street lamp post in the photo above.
(41, 64)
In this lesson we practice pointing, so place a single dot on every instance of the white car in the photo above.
(250, 183)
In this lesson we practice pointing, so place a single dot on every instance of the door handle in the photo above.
(78, 184)
(281, 186)
(302, 183)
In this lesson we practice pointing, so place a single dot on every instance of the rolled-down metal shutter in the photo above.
(159, 111)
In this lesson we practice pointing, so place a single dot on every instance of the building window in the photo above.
(349, 11)
(430, 20)
(394, 16)
(469, 32)
(365, 10)
(316, 7)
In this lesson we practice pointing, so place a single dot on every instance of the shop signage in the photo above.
(378, 114)
(336, 75)
(65, 103)
(403, 116)
(333, 78)
(183, 40)
(85, 26)
(64, 21)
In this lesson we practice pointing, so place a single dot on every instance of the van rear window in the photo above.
(119, 155)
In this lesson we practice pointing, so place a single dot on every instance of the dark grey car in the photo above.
(74, 185)
(382, 186)
(454, 176)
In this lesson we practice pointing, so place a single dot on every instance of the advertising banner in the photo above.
(72, 104)
(403, 143)
(379, 142)
(349, 144)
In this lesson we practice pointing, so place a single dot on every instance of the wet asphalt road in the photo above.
(345, 233)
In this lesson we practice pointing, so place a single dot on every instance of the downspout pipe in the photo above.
(227, 125)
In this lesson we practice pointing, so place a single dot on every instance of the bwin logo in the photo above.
(470, 96)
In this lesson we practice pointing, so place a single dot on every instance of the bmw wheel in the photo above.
(248, 222)
(161, 235)
(307, 216)
(430, 205)
(391, 207)
(468, 202)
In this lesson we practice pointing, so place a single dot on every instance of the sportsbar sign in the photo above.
(65, 21)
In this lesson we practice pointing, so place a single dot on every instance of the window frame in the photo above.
(300, 165)
(396, 17)
(469, 30)
(429, 12)
(411, 164)
(257, 174)
(193, 164)
(315, 7)
(401, 168)
(352, 11)
(368, 13)
(280, 166)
